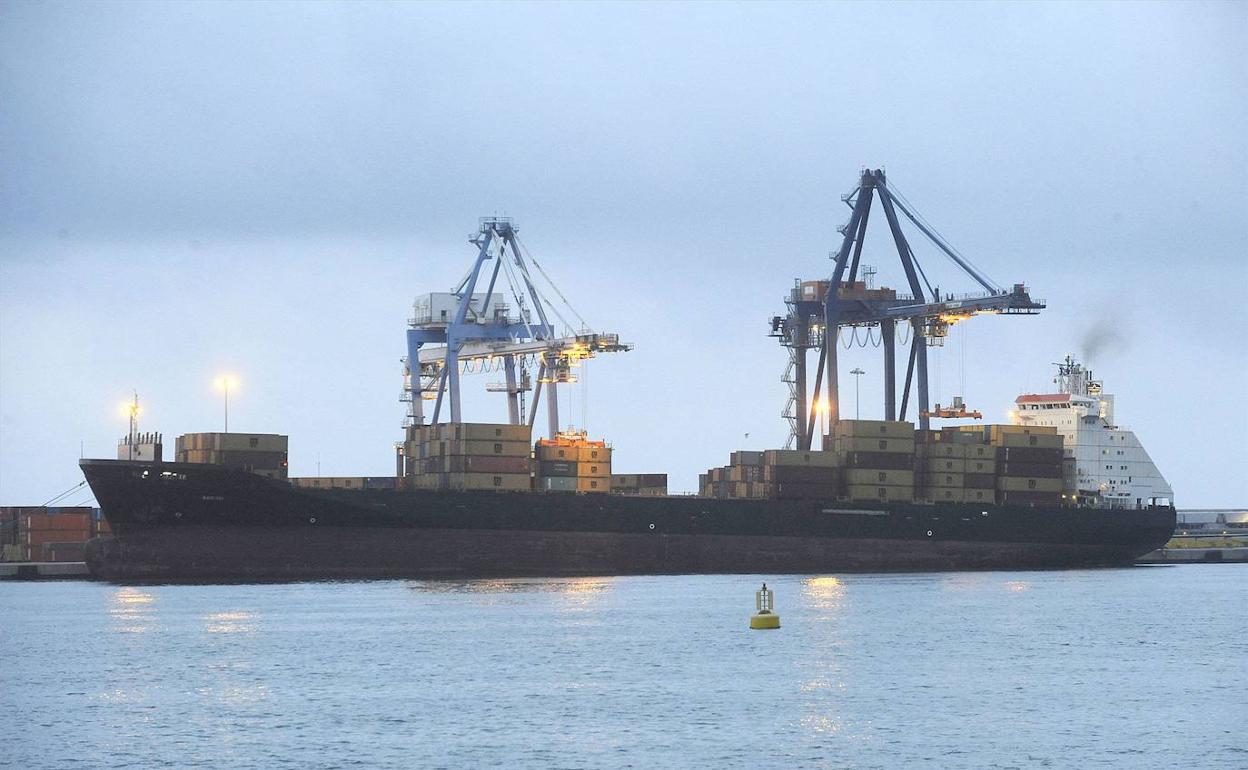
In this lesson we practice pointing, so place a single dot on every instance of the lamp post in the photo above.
(225, 382)
(857, 378)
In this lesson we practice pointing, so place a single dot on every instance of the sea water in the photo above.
(1130, 668)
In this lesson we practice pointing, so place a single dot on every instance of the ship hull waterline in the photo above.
(203, 523)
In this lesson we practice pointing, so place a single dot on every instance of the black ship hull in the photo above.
(191, 522)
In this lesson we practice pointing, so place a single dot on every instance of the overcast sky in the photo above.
(263, 188)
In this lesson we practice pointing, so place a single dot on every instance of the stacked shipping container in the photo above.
(877, 460)
(992, 463)
(644, 484)
(469, 455)
(260, 453)
(878, 457)
(36, 533)
(774, 473)
(572, 463)
(345, 482)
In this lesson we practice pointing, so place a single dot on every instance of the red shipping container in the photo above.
(41, 536)
(63, 552)
(71, 521)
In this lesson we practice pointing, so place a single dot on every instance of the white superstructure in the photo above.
(1110, 466)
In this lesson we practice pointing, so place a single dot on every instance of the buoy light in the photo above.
(764, 602)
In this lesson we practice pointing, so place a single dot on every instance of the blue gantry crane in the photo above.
(511, 326)
(817, 312)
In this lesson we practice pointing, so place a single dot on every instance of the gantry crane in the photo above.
(817, 312)
(483, 332)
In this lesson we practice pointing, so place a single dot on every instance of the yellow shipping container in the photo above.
(260, 442)
(844, 444)
(565, 453)
(979, 496)
(869, 476)
(584, 484)
(944, 450)
(488, 431)
(884, 493)
(498, 481)
(586, 470)
(798, 457)
(981, 466)
(479, 448)
(1038, 440)
(944, 465)
(873, 429)
(588, 454)
(1028, 484)
(999, 430)
(328, 482)
(430, 481)
(941, 480)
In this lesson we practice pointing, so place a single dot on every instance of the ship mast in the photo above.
(132, 438)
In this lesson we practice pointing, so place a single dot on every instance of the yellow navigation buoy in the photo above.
(766, 616)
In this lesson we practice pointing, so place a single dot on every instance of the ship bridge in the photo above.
(1106, 464)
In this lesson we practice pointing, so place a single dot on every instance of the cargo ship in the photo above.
(486, 500)
(968, 497)
(200, 522)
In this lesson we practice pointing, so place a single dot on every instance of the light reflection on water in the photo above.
(1086, 669)
(826, 592)
(133, 611)
(512, 585)
(230, 622)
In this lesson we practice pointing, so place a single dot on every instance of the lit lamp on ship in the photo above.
(225, 382)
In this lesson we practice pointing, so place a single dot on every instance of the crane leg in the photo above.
(417, 410)
(905, 392)
(437, 405)
(452, 381)
(513, 400)
(888, 329)
(831, 337)
(801, 334)
(552, 409)
(537, 394)
(810, 425)
(923, 401)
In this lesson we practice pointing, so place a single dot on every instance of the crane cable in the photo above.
(513, 284)
(518, 255)
(854, 341)
(539, 295)
(65, 494)
(911, 211)
(962, 363)
(538, 265)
